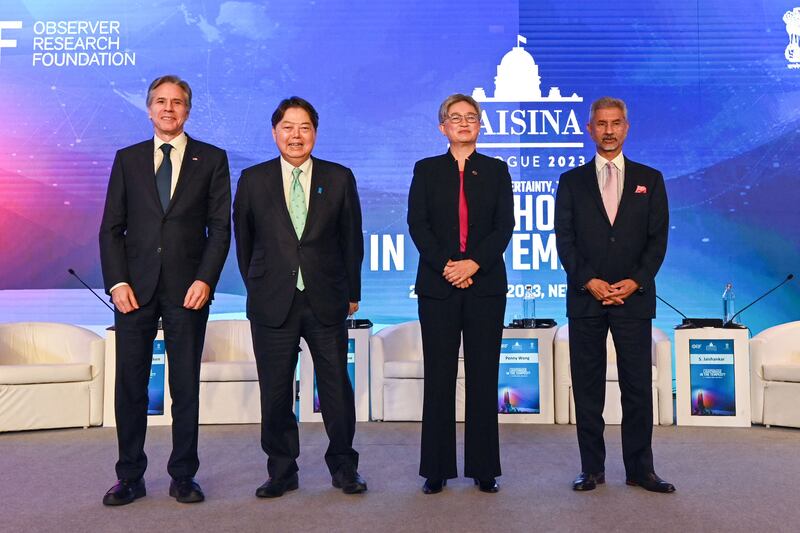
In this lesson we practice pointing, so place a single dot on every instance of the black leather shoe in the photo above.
(586, 481)
(186, 490)
(651, 482)
(124, 492)
(433, 486)
(348, 479)
(487, 485)
(275, 488)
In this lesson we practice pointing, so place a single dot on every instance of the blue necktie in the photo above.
(164, 177)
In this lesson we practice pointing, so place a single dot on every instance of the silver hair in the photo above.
(606, 102)
(170, 78)
(454, 99)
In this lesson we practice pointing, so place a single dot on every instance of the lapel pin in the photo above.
(195, 159)
(319, 190)
(474, 172)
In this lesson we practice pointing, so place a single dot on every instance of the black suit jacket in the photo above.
(434, 227)
(140, 242)
(590, 247)
(329, 253)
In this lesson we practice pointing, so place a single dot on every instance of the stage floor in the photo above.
(727, 480)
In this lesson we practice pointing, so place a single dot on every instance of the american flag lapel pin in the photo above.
(195, 158)
(474, 172)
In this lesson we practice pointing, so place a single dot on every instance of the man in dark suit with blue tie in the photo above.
(297, 221)
(163, 241)
(611, 226)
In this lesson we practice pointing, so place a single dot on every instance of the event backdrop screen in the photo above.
(712, 89)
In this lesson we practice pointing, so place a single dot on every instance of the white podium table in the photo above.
(525, 382)
(712, 377)
(159, 411)
(357, 367)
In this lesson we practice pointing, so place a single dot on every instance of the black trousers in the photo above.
(588, 359)
(184, 334)
(480, 320)
(276, 359)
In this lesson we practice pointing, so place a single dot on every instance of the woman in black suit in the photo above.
(460, 217)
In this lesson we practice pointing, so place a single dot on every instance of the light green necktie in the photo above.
(298, 212)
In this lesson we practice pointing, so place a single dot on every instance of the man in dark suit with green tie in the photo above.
(297, 221)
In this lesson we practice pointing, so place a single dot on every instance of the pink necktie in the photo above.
(610, 192)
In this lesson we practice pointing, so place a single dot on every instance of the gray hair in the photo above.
(606, 102)
(170, 78)
(454, 99)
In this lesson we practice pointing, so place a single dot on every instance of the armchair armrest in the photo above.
(562, 379)
(662, 355)
(757, 359)
(376, 360)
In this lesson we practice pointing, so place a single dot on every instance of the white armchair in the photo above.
(396, 375)
(229, 391)
(51, 376)
(661, 353)
(775, 376)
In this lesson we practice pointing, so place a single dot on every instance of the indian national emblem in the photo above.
(792, 21)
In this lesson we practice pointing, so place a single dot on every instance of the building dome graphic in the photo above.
(517, 77)
(518, 80)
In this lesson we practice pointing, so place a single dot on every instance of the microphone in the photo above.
(672, 307)
(730, 324)
(92, 290)
(693, 323)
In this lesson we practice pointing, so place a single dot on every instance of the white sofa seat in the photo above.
(228, 371)
(775, 376)
(397, 372)
(661, 355)
(412, 369)
(51, 376)
(54, 373)
(229, 390)
(786, 372)
(612, 373)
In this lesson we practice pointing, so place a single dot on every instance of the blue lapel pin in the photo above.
(319, 190)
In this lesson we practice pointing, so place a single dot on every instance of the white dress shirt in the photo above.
(600, 164)
(175, 157)
(305, 181)
(304, 178)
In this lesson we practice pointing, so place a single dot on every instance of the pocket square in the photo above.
(640, 189)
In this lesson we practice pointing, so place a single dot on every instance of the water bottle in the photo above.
(529, 307)
(728, 303)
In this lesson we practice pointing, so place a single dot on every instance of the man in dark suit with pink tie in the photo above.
(611, 226)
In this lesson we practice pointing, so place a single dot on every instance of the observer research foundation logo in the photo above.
(8, 43)
(71, 43)
(792, 51)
